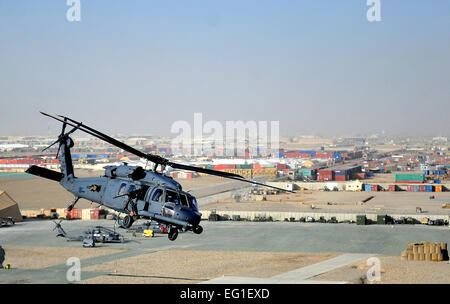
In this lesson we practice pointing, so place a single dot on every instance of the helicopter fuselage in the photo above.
(156, 196)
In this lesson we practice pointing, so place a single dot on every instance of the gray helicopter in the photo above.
(97, 234)
(131, 190)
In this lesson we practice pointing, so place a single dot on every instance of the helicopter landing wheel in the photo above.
(173, 233)
(127, 221)
(198, 229)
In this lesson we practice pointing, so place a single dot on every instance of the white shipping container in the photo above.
(86, 214)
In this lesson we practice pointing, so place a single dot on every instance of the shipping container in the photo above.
(429, 188)
(340, 178)
(281, 166)
(392, 188)
(368, 188)
(95, 214)
(340, 172)
(326, 175)
(416, 178)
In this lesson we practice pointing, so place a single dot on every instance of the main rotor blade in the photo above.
(119, 144)
(203, 170)
(260, 184)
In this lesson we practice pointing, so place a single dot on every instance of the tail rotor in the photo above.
(61, 136)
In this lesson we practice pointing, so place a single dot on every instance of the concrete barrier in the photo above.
(340, 217)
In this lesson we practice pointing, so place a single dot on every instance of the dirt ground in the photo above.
(41, 257)
(194, 266)
(393, 271)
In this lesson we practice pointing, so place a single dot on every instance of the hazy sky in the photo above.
(137, 66)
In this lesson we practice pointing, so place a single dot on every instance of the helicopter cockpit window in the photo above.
(172, 196)
(157, 195)
(184, 200)
(193, 202)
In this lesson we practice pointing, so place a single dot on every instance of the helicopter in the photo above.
(131, 190)
(97, 234)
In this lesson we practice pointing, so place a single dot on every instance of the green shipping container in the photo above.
(410, 177)
(245, 166)
(361, 220)
(305, 172)
(381, 219)
(211, 167)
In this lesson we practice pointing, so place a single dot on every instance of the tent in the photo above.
(8, 207)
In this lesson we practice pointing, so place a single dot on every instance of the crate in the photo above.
(426, 251)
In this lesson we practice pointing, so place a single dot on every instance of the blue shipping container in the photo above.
(429, 188)
(367, 188)
(416, 188)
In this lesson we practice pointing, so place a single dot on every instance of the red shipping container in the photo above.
(305, 155)
(392, 188)
(257, 166)
(374, 188)
(219, 167)
(423, 188)
(281, 166)
(340, 178)
(292, 154)
(95, 214)
(326, 175)
(77, 213)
